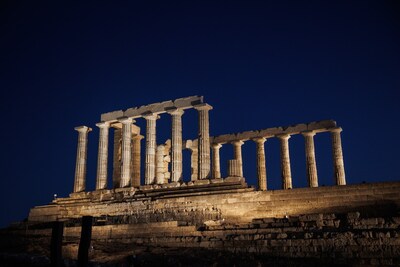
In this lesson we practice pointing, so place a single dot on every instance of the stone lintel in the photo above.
(161, 107)
(234, 179)
(317, 127)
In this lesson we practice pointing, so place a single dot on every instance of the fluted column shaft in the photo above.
(261, 169)
(194, 163)
(216, 167)
(285, 162)
(237, 154)
(311, 164)
(338, 164)
(81, 159)
(176, 145)
(136, 160)
(102, 158)
(204, 141)
(150, 173)
(126, 151)
(117, 157)
(160, 164)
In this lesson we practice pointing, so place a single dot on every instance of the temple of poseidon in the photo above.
(216, 211)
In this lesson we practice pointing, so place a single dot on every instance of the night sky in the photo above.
(260, 64)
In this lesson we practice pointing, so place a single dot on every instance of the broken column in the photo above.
(102, 159)
(160, 164)
(237, 154)
(126, 151)
(285, 161)
(261, 169)
(338, 163)
(204, 141)
(150, 162)
(216, 168)
(176, 166)
(233, 168)
(117, 157)
(136, 160)
(311, 164)
(81, 158)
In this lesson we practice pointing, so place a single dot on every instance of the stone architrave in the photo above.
(150, 168)
(176, 145)
(237, 154)
(126, 151)
(216, 170)
(102, 159)
(136, 160)
(116, 178)
(261, 169)
(204, 141)
(285, 161)
(311, 164)
(338, 164)
(81, 159)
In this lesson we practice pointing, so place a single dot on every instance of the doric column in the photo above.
(216, 167)
(81, 158)
(285, 162)
(136, 160)
(194, 163)
(126, 151)
(176, 145)
(160, 164)
(261, 169)
(338, 163)
(237, 154)
(117, 157)
(233, 168)
(204, 141)
(311, 164)
(150, 173)
(102, 158)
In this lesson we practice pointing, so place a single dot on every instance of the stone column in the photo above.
(194, 163)
(126, 151)
(261, 169)
(81, 158)
(216, 170)
(237, 154)
(204, 141)
(338, 163)
(285, 162)
(176, 145)
(311, 164)
(160, 164)
(150, 173)
(102, 159)
(136, 160)
(117, 157)
(233, 168)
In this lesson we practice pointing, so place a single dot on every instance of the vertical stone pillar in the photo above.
(81, 158)
(194, 163)
(150, 148)
(204, 141)
(233, 168)
(285, 162)
(117, 157)
(311, 164)
(338, 163)
(136, 160)
(126, 151)
(102, 158)
(261, 169)
(237, 154)
(176, 145)
(160, 164)
(216, 167)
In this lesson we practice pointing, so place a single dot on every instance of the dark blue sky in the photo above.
(259, 63)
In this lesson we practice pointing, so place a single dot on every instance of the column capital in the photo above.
(83, 129)
(237, 142)
(308, 133)
(103, 124)
(283, 136)
(175, 111)
(151, 116)
(138, 136)
(260, 140)
(126, 120)
(216, 145)
(203, 106)
(336, 130)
